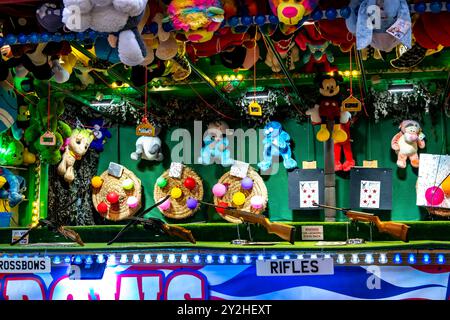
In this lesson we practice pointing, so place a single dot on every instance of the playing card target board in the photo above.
(306, 186)
(371, 188)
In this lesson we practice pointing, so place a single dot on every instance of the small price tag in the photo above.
(309, 164)
(48, 139)
(239, 169)
(145, 129)
(176, 170)
(351, 104)
(312, 232)
(254, 109)
(370, 163)
(399, 28)
(115, 169)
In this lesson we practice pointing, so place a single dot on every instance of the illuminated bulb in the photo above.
(35, 211)
(383, 258)
(440, 259)
(209, 258)
(89, 260)
(426, 258)
(397, 258)
(327, 256)
(240, 77)
(247, 259)
(355, 73)
(273, 257)
(369, 259)
(260, 257)
(136, 258)
(314, 256)
(196, 258)
(100, 258)
(114, 85)
(222, 259)
(147, 258)
(346, 73)
(219, 78)
(123, 258)
(34, 218)
(286, 257)
(35, 203)
(172, 258)
(184, 258)
(78, 260)
(299, 256)
(341, 258)
(232, 77)
(234, 258)
(355, 258)
(56, 260)
(67, 259)
(159, 258)
(111, 260)
(411, 258)
(226, 78)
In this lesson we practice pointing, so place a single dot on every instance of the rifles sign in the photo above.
(294, 267)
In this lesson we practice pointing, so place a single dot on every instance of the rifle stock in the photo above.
(395, 229)
(177, 231)
(284, 231)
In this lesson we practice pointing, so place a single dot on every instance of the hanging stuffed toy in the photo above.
(394, 23)
(291, 13)
(407, 142)
(328, 107)
(276, 143)
(11, 187)
(101, 134)
(8, 107)
(117, 16)
(198, 19)
(215, 145)
(345, 146)
(77, 147)
(148, 148)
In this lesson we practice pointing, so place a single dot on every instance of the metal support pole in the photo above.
(330, 176)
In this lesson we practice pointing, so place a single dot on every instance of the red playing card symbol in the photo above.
(365, 201)
(365, 190)
(313, 190)
(309, 196)
(304, 190)
(370, 196)
(304, 201)
(373, 201)
(374, 191)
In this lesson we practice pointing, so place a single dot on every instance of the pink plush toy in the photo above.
(407, 142)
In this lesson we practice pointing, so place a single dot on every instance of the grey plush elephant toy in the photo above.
(148, 148)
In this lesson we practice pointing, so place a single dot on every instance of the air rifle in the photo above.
(284, 231)
(395, 229)
(67, 233)
(171, 230)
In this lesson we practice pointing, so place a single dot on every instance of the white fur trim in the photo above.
(102, 3)
(76, 24)
(130, 7)
(84, 5)
(129, 50)
(107, 19)
(345, 116)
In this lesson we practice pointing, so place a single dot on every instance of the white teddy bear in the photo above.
(111, 16)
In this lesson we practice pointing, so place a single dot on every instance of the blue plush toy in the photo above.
(276, 143)
(100, 134)
(390, 12)
(216, 145)
(8, 108)
(16, 187)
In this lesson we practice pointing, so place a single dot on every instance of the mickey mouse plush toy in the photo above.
(329, 107)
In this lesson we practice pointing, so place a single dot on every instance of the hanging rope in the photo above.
(254, 67)
(145, 95)
(209, 105)
(48, 105)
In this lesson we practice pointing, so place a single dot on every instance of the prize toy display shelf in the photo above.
(433, 235)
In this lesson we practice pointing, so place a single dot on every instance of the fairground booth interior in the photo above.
(224, 149)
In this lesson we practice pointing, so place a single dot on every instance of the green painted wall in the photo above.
(377, 147)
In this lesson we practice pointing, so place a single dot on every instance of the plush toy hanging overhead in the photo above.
(215, 145)
(292, 13)
(407, 142)
(197, 19)
(117, 16)
(328, 107)
(11, 187)
(380, 24)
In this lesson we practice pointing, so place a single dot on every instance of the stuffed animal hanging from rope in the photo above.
(77, 147)
(292, 12)
(101, 134)
(216, 143)
(407, 142)
(276, 143)
(148, 148)
(380, 24)
(329, 107)
(16, 186)
(345, 146)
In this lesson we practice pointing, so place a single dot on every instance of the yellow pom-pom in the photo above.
(239, 198)
(176, 193)
(96, 182)
(446, 186)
